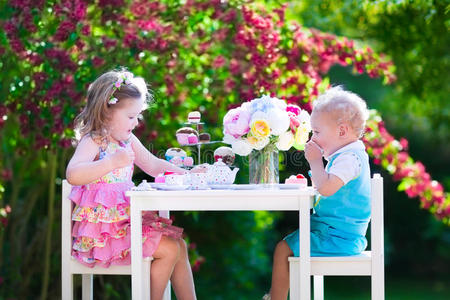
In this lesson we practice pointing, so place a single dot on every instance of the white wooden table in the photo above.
(219, 200)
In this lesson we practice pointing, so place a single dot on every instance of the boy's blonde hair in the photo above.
(345, 106)
(94, 118)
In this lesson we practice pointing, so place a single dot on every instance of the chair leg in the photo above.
(167, 292)
(377, 282)
(87, 287)
(294, 280)
(66, 285)
(318, 287)
(147, 270)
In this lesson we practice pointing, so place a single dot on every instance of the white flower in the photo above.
(305, 120)
(278, 121)
(241, 147)
(261, 143)
(246, 106)
(259, 115)
(281, 104)
(285, 141)
(113, 101)
(228, 139)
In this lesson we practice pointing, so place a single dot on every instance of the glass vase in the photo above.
(263, 166)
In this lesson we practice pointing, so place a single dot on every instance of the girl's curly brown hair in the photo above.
(94, 118)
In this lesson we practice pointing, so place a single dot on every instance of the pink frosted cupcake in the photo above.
(188, 161)
(299, 179)
(192, 139)
(183, 134)
(160, 178)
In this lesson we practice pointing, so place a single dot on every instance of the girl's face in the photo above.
(325, 132)
(124, 119)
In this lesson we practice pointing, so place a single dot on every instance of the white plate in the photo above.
(291, 186)
(246, 186)
(198, 188)
(168, 187)
(221, 186)
(156, 184)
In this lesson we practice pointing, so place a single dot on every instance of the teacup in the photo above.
(198, 181)
(174, 179)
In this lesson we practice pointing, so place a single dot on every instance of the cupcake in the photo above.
(297, 179)
(188, 161)
(175, 152)
(194, 117)
(182, 135)
(192, 139)
(224, 153)
(204, 137)
(160, 178)
(177, 161)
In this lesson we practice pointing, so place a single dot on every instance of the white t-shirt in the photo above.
(347, 166)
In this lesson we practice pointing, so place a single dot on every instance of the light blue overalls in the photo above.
(339, 224)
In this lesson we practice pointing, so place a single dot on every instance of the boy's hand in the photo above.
(312, 151)
(122, 158)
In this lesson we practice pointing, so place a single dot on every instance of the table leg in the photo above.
(305, 263)
(137, 271)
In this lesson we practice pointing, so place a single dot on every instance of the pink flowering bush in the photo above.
(207, 55)
(392, 155)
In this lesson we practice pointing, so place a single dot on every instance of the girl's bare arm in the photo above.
(149, 163)
(82, 169)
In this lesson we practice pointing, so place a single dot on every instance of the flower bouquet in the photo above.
(260, 128)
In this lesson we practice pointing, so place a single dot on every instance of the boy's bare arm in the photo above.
(326, 184)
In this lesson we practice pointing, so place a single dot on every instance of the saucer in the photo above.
(221, 186)
(170, 187)
(199, 187)
(156, 184)
(290, 186)
(245, 186)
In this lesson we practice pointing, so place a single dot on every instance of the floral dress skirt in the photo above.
(101, 229)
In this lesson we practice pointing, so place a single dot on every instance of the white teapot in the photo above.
(220, 173)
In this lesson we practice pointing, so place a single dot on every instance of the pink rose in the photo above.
(236, 122)
(294, 122)
(294, 109)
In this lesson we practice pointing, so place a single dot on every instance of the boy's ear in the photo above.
(343, 130)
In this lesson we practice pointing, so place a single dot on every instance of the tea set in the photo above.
(215, 176)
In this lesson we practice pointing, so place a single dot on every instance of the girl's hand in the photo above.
(122, 158)
(312, 151)
(200, 169)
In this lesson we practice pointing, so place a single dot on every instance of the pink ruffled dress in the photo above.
(101, 231)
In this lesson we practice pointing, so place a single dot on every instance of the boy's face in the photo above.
(125, 118)
(325, 132)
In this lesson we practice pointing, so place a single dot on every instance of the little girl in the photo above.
(342, 210)
(101, 170)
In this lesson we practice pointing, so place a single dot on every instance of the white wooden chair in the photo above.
(368, 263)
(70, 266)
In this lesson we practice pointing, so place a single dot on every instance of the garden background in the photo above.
(211, 56)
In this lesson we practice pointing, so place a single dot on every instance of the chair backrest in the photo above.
(66, 221)
(376, 226)
(72, 265)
